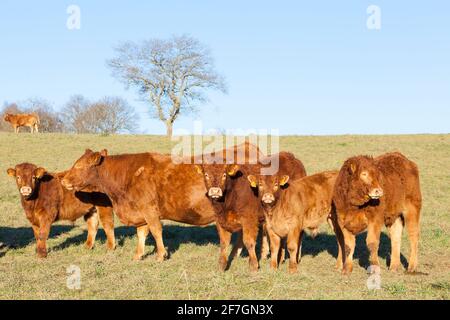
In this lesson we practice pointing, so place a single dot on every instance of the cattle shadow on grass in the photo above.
(21, 237)
(173, 236)
(327, 242)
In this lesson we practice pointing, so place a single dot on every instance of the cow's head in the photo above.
(27, 177)
(84, 171)
(364, 180)
(269, 188)
(216, 176)
(7, 117)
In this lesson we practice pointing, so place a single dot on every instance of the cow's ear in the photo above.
(284, 180)
(11, 172)
(253, 181)
(232, 170)
(104, 153)
(199, 169)
(88, 151)
(96, 159)
(39, 173)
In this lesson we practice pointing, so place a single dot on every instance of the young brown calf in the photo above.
(45, 201)
(371, 192)
(23, 120)
(291, 207)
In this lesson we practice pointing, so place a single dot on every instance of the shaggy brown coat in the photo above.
(45, 201)
(371, 192)
(23, 120)
(292, 206)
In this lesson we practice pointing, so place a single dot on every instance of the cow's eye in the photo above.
(224, 175)
(18, 179)
(206, 176)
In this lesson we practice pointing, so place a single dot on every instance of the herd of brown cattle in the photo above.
(143, 189)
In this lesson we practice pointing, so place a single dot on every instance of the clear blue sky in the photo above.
(303, 67)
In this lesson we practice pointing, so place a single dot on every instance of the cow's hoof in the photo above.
(347, 270)
(412, 269)
(161, 257)
(223, 265)
(42, 254)
(254, 268)
(394, 267)
(137, 257)
(111, 247)
(89, 245)
(293, 270)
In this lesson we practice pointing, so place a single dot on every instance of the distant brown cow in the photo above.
(23, 120)
(45, 201)
(292, 206)
(144, 189)
(371, 192)
(235, 202)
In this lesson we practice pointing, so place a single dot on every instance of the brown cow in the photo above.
(371, 192)
(144, 189)
(23, 120)
(45, 201)
(292, 206)
(235, 202)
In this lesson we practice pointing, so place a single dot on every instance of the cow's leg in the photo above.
(412, 223)
(293, 248)
(31, 129)
(265, 249)
(44, 231)
(35, 231)
(225, 238)
(250, 234)
(16, 129)
(274, 248)
(36, 128)
(340, 242)
(92, 224)
(373, 242)
(107, 220)
(349, 250)
(395, 233)
(299, 251)
(142, 233)
(155, 226)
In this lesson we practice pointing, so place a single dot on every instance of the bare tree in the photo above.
(173, 75)
(108, 116)
(74, 114)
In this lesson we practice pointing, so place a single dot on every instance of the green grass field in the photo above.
(192, 270)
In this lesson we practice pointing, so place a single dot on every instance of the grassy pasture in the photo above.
(192, 272)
